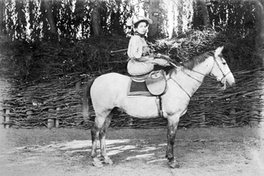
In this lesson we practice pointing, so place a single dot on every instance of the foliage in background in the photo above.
(38, 54)
(44, 61)
(30, 20)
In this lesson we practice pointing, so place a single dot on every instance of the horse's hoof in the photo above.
(107, 160)
(174, 164)
(97, 163)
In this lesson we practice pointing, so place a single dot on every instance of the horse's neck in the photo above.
(191, 80)
(201, 70)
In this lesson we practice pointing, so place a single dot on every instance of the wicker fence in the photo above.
(58, 104)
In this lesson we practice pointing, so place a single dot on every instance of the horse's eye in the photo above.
(224, 63)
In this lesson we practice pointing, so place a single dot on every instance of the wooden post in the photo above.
(50, 123)
(57, 123)
(78, 85)
(232, 114)
(254, 113)
(6, 118)
(202, 115)
(51, 120)
(29, 114)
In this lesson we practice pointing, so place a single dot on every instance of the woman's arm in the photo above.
(135, 48)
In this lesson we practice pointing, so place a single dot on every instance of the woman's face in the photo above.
(142, 27)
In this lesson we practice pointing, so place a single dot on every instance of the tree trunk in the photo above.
(260, 24)
(260, 31)
(260, 35)
(2, 11)
(53, 28)
(96, 20)
(205, 12)
(180, 21)
(171, 22)
(154, 16)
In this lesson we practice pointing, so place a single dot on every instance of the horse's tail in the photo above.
(87, 103)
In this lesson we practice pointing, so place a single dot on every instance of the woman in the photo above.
(141, 60)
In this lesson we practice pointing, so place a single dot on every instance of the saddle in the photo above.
(152, 84)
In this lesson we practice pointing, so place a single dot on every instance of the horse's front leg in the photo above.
(171, 133)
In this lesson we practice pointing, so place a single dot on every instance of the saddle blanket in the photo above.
(152, 84)
(138, 89)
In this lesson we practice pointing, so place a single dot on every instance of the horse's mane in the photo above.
(191, 63)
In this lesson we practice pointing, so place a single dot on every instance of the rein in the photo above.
(180, 86)
(224, 75)
(205, 75)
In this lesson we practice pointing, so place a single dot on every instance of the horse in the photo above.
(109, 91)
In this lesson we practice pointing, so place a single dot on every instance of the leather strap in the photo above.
(159, 105)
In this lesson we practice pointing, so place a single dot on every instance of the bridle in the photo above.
(205, 75)
(224, 75)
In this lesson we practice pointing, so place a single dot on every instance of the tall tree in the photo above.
(260, 23)
(180, 16)
(21, 21)
(53, 28)
(205, 13)
(153, 14)
(2, 11)
(96, 19)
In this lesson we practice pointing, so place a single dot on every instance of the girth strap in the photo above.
(159, 105)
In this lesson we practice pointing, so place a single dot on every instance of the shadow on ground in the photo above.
(205, 151)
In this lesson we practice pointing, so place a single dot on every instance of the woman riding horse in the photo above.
(141, 60)
(109, 92)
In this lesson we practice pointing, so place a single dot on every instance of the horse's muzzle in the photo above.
(230, 82)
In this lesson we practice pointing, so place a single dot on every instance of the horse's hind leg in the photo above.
(98, 131)
(102, 137)
(95, 137)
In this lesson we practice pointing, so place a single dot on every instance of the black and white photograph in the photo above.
(131, 87)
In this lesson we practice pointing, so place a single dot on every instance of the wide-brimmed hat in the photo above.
(136, 19)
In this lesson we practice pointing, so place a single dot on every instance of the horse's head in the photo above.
(221, 70)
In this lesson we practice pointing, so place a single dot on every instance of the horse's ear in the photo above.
(219, 51)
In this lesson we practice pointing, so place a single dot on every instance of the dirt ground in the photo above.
(204, 151)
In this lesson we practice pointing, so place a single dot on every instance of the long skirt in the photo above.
(136, 68)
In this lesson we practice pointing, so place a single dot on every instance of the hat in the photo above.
(137, 19)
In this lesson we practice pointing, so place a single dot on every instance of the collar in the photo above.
(141, 35)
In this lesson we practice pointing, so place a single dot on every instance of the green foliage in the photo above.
(72, 19)
(40, 55)
(227, 14)
(44, 61)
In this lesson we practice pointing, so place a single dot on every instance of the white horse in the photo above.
(109, 91)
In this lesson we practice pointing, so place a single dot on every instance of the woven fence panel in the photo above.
(32, 106)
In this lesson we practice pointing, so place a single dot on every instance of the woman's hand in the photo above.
(162, 56)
